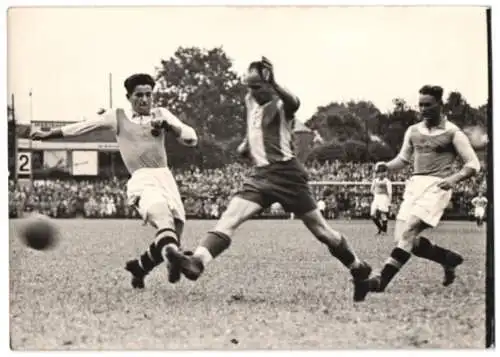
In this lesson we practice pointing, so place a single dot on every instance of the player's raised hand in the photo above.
(381, 166)
(268, 70)
(40, 135)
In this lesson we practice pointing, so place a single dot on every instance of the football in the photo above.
(39, 232)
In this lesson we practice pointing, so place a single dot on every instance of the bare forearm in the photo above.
(396, 164)
(290, 101)
(463, 174)
(87, 126)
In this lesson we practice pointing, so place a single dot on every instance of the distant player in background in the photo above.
(381, 190)
(322, 206)
(479, 203)
(140, 134)
(278, 177)
(433, 145)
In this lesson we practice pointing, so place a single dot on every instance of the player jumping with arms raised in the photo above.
(382, 196)
(479, 203)
(152, 190)
(278, 177)
(434, 143)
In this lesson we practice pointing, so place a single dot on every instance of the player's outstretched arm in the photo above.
(402, 159)
(105, 121)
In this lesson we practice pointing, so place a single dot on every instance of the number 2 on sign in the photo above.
(24, 163)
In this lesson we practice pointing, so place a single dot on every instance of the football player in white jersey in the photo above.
(382, 196)
(480, 202)
(152, 190)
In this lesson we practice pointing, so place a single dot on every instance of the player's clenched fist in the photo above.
(40, 135)
(158, 124)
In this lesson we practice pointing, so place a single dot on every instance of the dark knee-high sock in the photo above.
(393, 265)
(344, 254)
(376, 220)
(212, 245)
(424, 248)
(384, 225)
(153, 256)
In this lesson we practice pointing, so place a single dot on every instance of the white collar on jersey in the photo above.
(137, 118)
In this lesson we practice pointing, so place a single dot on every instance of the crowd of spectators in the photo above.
(207, 192)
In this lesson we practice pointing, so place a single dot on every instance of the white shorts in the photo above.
(150, 186)
(479, 212)
(424, 199)
(379, 203)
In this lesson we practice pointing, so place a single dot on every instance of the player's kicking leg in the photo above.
(168, 233)
(216, 241)
(407, 234)
(339, 248)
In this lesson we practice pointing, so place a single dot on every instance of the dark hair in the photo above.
(137, 80)
(435, 91)
(256, 65)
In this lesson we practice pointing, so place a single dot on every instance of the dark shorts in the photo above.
(284, 182)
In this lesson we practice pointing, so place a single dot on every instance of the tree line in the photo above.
(201, 86)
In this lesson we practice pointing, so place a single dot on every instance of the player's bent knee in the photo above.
(238, 211)
(160, 216)
(409, 232)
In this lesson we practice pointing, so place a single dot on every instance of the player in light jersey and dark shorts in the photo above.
(433, 145)
(152, 190)
(382, 196)
(479, 202)
(278, 177)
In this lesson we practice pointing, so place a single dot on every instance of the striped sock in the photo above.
(155, 255)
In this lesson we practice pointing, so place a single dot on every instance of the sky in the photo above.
(323, 54)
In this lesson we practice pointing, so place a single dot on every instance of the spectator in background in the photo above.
(322, 207)
(105, 197)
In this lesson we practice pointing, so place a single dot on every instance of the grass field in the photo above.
(275, 288)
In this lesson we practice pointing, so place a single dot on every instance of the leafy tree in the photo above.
(201, 86)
